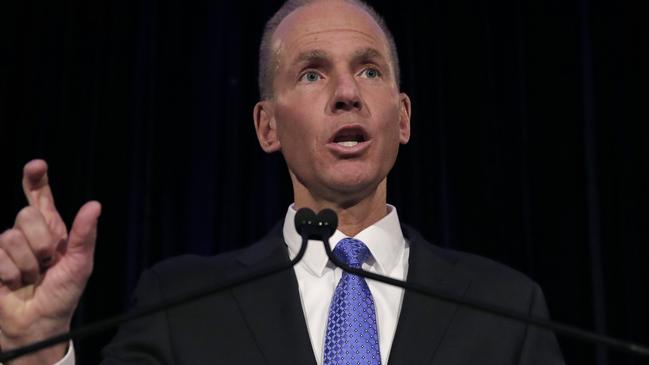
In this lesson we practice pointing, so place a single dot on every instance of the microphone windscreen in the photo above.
(304, 218)
(328, 222)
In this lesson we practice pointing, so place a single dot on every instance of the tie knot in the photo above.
(352, 252)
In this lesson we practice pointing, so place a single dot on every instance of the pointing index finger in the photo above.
(37, 187)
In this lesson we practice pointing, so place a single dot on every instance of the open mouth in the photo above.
(350, 136)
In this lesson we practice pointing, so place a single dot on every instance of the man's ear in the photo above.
(404, 118)
(266, 126)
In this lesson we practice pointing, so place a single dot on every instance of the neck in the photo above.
(353, 215)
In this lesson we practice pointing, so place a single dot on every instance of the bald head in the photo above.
(268, 50)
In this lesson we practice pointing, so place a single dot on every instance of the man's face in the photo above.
(337, 115)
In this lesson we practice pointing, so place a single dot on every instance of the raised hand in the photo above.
(43, 268)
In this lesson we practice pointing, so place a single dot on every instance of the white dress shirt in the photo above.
(68, 359)
(317, 279)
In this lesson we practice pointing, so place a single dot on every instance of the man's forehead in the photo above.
(320, 17)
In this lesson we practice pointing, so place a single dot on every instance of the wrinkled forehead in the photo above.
(307, 23)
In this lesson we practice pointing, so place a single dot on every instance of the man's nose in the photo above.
(346, 96)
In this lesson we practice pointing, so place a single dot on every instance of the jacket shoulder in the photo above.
(183, 272)
(488, 278)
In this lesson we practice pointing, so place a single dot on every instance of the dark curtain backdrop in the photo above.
(529, 141)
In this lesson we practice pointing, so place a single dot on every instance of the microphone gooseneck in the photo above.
(305, 224)
(564, 329)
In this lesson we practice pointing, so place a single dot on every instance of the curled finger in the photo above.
(15, 245)
(38, 234)
(9, 273)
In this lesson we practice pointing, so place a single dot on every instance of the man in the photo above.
(331, 105)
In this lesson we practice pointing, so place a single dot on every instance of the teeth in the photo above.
(347, 143)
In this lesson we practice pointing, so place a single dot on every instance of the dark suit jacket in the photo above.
(262, 322)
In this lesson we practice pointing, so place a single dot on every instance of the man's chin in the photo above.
(340, 186)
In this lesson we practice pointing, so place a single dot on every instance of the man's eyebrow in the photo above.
(321, 57)
(311, 56)
(368, 54)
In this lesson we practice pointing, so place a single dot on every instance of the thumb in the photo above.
(84, 230)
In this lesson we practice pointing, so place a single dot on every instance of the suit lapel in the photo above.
(423, 321)
(272, 306)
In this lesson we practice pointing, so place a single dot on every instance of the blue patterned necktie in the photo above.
(352, 337)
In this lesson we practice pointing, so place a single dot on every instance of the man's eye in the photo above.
(310, 76)
(371, 73)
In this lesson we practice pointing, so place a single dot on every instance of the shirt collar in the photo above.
(384, 240)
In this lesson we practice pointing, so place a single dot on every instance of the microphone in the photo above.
(313, 226)
(305, 224)
(328, 220)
